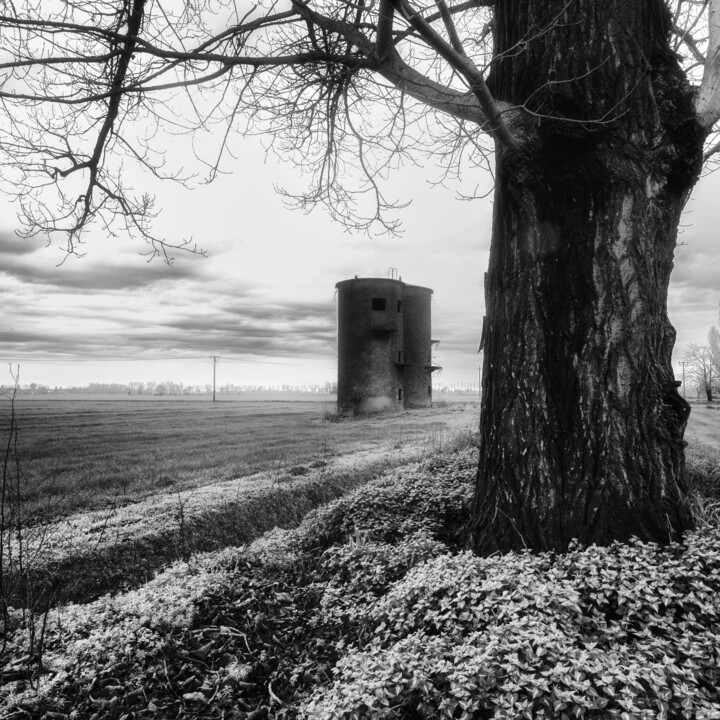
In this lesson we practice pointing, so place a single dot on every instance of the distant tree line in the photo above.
(172, 388)
(702, 366)
(169, 387)
(456, 388)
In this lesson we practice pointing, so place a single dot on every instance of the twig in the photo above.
(273, 696)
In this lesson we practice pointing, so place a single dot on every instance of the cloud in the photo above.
(265, 295)
(697, 265)
(282, 312)
(48, 268)
(12, 245)
(182, 316)
(113, 276)
(24, 343)
(286, 329)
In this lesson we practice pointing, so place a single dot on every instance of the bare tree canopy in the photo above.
(347, 90)
(91, 87)
(599, 114)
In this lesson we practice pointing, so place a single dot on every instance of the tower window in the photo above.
(400, 393)
(399, 305)
(429, 389)
(399, 356)
(378, 304)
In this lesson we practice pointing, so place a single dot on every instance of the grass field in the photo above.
(86, 452)
(111, 489)
(371, 609)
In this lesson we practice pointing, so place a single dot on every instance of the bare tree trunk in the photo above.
(582, 425)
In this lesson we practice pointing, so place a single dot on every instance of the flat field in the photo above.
(704, 425)
(85, 452)
(110, 488)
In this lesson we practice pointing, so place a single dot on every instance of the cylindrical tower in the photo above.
(378, 368)
(417, 372)
(369, 330)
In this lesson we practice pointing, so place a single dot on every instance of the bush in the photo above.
(433, 496)
(272, 610)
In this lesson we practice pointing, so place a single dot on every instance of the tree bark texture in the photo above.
(582, 425)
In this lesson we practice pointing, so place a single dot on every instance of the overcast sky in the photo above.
(264, 299)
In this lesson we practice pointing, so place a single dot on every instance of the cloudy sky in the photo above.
(264, 298)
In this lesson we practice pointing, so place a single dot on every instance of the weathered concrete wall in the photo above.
(417, 373)
(384, 345)
(368, 380)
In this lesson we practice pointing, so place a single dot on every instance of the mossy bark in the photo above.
(582, 425)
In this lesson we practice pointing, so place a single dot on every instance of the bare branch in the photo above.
(404, 77)
(384, 41)
(707, 102)
(692, 45)
(450, 27)
(84, 88)
(711, 151)
(462, 64)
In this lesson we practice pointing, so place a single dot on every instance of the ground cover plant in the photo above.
(371, 608)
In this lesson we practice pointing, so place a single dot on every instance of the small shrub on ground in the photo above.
(703, 474)
(433, 496)
(629, 631)
(352, 577)
(332, 416)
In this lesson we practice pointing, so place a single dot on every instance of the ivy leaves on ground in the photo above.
(371, 609)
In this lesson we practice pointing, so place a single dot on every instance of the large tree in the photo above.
(598, 113)
(703, 364)
(701, 369)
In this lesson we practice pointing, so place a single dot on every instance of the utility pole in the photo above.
(683, 362)
(214, 358)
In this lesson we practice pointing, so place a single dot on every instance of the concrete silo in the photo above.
(417, 366)
(384, 345)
